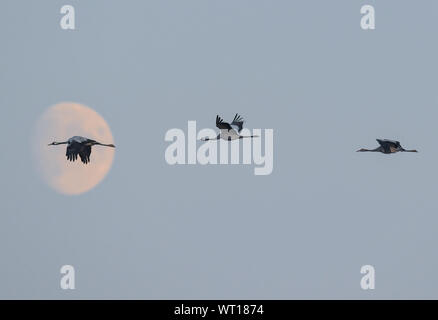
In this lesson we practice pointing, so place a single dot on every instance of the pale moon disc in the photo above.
(59, 123)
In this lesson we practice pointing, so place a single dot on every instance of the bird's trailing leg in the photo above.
(105, 145)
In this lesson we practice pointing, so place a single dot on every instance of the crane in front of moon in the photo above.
(229, 131)
(80, 146)
(387, 146)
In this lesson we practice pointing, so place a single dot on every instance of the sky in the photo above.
(150, 230)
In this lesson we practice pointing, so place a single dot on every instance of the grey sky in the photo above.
(150, 230)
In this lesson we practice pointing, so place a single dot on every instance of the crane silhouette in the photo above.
(387, 147)
(80, 146)
(229, 131)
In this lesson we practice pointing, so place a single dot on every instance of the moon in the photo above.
(59, 123)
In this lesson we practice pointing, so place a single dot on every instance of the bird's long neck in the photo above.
(370, 150)
(209, 139)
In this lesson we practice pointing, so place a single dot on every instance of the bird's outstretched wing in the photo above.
(238, 122)
(72, 151)
(384, 142)
(84, 153)
(221, 124)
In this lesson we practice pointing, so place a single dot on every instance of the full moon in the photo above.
(59, 123)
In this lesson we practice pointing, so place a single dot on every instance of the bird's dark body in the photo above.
(80, 146)
(388, 147)
(82, 149)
